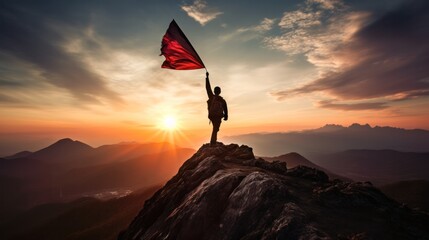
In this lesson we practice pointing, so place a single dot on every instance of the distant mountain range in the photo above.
(382, 155)
(19, 155)
(70, 153)
(335, 138)
(70, 169)
(378, 166)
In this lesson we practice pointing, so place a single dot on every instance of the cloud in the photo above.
(248, 33)
(200, 12)
(300, 19)
(31, 39)
(8, 99)
(265, 25)
(393, 52)
(330, 104)
(387, 58)
(410, 95)
(317, 32)
(327, 4)
(5, 82)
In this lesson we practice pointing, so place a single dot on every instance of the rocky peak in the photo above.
(330, 128)
(224, 192)
(68, 142)
(359, 126)
(63, 149)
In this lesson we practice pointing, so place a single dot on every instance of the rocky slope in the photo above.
(294, 159)
(223, 192)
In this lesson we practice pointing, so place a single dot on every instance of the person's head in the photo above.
(217, 90)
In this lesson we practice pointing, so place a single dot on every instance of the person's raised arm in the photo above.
(225, 111)
(208, 87)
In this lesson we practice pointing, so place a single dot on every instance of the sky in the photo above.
(90, 70)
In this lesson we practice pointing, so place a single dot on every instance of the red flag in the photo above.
(178, 51)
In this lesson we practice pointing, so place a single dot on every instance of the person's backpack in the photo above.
(215, 107)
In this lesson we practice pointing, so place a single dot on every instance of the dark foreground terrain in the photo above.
(413, 193)
(223, 192)
(82, 219)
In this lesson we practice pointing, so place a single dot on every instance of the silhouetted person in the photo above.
(217, 109)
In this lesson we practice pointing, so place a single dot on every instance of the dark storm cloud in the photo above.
(28, 35)
(328, 104)
(390, 55)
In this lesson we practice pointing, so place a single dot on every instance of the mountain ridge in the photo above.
(334, 138)
(74, 153)
(21, 154)
(378, 166)
(66, 175)
(65, 145)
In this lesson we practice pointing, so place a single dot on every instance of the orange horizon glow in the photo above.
(39, 134)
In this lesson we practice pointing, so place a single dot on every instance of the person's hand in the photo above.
(225, 118)
(207, 74)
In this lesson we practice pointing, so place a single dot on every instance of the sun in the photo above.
(169, 123)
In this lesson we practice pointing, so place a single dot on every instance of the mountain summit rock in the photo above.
(224, 192)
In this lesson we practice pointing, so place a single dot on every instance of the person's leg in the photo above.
(216, 126)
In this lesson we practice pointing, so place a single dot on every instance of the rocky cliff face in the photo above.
(223, 192)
